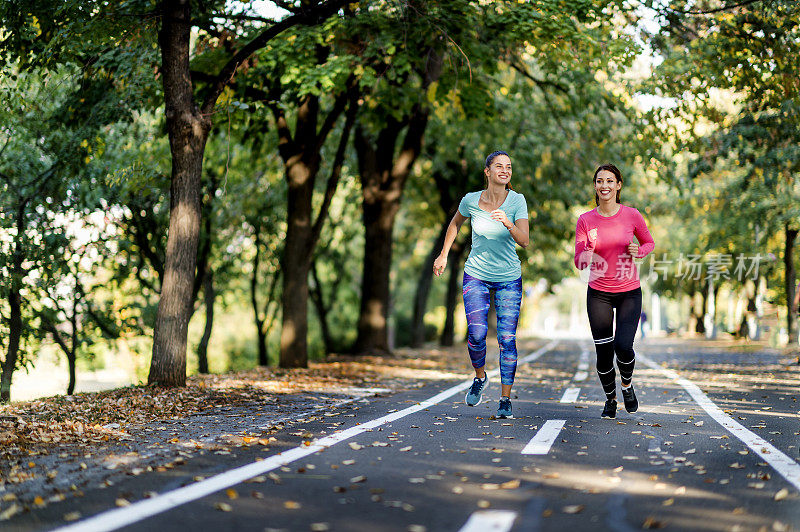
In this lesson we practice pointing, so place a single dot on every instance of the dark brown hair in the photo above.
(610, 168)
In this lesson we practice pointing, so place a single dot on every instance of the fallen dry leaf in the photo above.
(10, 512)
(652, 523)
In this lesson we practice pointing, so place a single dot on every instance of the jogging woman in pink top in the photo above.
(604, 242)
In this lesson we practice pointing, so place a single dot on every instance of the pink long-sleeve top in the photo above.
(611, 268)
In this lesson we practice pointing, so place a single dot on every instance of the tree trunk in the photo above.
(209, 295)
(269, 319)
(383, 177)
(790, 279)
(261, 335)
(295, 264)
(71, 360)
(72, 352)
(700, 326)
(424, 289)
(318, 298)
(301, 155)
(15, 311)
(69, 352)
(188, 132)
(453, 291)
(206, 239)
(375, 291)
(14, 333)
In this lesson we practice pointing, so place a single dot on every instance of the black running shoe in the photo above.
(631, 403)
(610, 409)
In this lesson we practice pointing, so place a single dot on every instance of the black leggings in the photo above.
(600, 306)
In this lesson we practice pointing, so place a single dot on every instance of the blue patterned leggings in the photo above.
(507, 299)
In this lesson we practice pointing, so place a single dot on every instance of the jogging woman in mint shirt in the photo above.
(499, 223)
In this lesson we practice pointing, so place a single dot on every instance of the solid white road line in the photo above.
(534, 355)
(543, 440)
(490, 521)
(120, 517)
(570, 395)
(785, 466)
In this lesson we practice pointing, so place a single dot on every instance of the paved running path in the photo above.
(449, 467)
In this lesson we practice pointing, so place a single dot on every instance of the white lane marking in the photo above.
(536, 354)
(138, 511)
(581, 376)
(570, 395)
(543, 440)
(583, 364)
(490, 521)
(785, 466)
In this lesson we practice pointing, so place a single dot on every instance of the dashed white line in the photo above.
(543, 440)
(120, 517)
(570, 395)
(785, 466)
(583, 364)
(490, 521)
(581, 376)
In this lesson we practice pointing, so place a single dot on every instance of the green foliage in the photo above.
(732, 124)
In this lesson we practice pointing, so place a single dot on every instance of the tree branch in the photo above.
(39, 181)
(48, 326)
(306, 17)
(333, 116)
(245, 17)
(710, 11)
(539, 82)
(336, 171)
(254, 278)
(5, 145)
(139, 230)
(269, 317)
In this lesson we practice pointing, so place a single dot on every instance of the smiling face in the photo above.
(606, 185)
(499, 170)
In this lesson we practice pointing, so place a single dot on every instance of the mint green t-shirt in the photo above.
(494, 255)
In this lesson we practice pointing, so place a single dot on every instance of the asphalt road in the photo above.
(714, 446)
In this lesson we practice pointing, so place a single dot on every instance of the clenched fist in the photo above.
(439, 265)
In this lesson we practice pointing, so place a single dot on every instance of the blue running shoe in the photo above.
(473, 397)
(504, 410)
